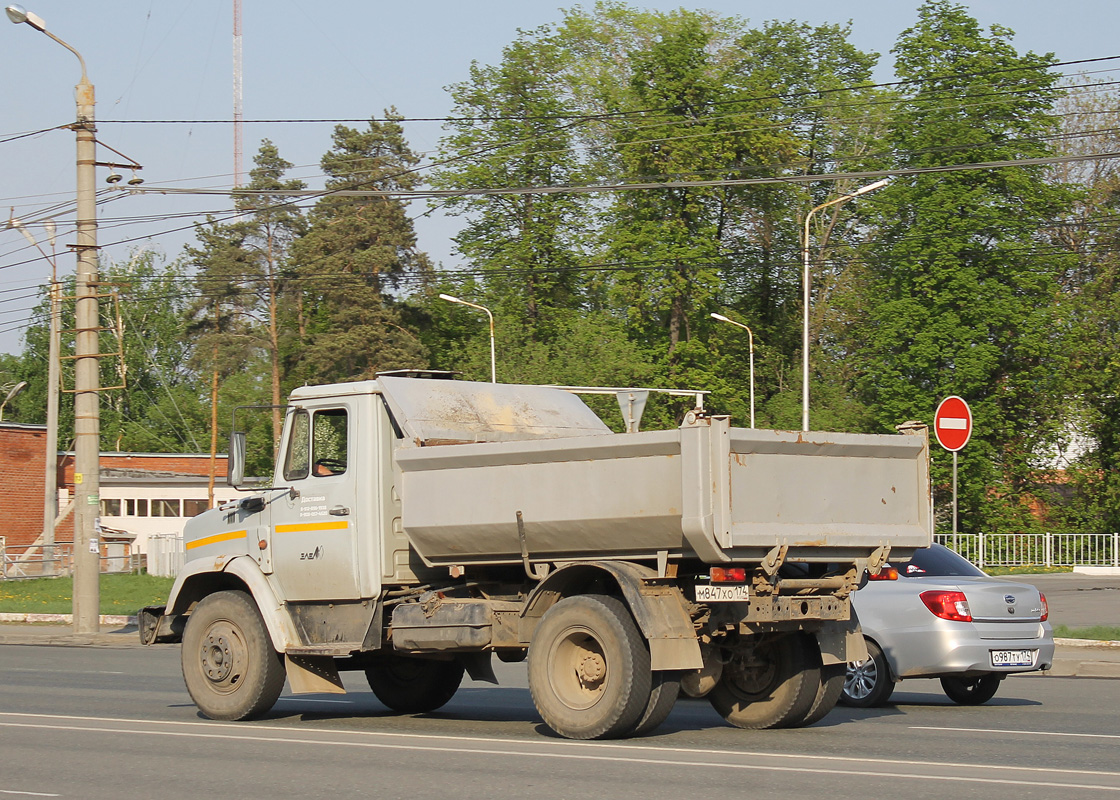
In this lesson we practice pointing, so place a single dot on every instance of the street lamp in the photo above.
(493, 363)
(87, 380)
(750, 338)
(50, 485)
(805, 290)
(12, 392)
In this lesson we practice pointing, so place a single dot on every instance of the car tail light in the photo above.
(885, 574)
(948, 605)
(728, 575)
(1045, 607)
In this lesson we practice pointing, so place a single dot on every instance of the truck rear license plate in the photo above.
(1013, 658)
(707, 593)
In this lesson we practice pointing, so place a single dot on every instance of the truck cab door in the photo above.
(313, 524)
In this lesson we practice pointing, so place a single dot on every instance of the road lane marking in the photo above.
(567, 743)
(313, 700)
(1017, 733)
(29, 794)
(504, 751)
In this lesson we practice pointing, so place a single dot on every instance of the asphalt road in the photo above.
(79, 722)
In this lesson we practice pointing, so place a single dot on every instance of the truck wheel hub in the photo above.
(592, 669)
(217, 660)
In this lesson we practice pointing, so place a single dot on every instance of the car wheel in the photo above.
(971, 691)
(868, 683)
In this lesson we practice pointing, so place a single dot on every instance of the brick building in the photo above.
(141, 493)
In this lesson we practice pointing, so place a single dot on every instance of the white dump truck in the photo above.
(416, 526)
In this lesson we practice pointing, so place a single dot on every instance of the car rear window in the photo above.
(937, 561)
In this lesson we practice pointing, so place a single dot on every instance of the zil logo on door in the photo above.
(314, 554)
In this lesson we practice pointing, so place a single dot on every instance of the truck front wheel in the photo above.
(589, 669)
(229, 666)
(414, 685)
(768, 685)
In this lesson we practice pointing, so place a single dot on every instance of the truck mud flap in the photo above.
(155, 626)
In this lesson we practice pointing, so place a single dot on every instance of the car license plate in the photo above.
(708, 593)
(1013, 658)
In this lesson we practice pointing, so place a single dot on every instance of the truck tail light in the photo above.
(948, 605)
(1045, 607)
(728, 575)
(885, 574)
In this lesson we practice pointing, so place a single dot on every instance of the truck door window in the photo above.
(329, 442)
(298, 458)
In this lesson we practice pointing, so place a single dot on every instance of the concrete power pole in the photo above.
(87, 379)
(87, 376)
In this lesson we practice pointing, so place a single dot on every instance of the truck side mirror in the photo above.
(235, 465)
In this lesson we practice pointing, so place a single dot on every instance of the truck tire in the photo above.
(229, 666)
(589, 669)
(971, 691)
(828, 695)
(828, 692)
(414, 685)
(662, 698)
(773, 685)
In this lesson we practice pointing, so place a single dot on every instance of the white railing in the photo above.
(1036, 549)
(165, 554)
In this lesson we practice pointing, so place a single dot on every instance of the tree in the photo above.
(960, 306)
(513, 129)
(356, 252)
(273, 222)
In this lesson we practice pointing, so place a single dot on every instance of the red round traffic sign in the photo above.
(952, 423)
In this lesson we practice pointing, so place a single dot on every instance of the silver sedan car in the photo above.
(938, 616)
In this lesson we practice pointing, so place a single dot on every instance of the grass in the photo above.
(1105, 632)
(120, 594)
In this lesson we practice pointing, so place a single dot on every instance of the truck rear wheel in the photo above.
(229, 666)
(414, 685)
(662, 697)
(772, 684)
(589, 669)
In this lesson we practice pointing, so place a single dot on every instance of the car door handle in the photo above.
(339, 511)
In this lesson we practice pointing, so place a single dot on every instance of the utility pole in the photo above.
(87, 377)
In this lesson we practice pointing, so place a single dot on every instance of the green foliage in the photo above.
(1105, 633)
(996, 284)
(955, 307)
(355, 251)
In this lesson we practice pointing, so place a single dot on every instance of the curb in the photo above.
(1087, 642)
(64, 619)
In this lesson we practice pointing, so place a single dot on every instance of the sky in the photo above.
(152, 60)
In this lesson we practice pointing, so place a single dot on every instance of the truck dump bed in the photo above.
(705, 489)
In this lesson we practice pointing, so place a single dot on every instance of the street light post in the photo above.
(493, 362)
(750, 339)
(50, 484)
(805, 286)
(87, 378)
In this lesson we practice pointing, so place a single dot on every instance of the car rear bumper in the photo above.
(955, 648)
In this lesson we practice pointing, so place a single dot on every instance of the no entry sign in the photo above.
(952, 423)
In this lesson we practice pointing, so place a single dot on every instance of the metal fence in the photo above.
(165, 554)
(1036, 549)
(24, 562)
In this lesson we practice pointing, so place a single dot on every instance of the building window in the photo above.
(192, 508)
(166, 508)
(110, 508)
(136, 508)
